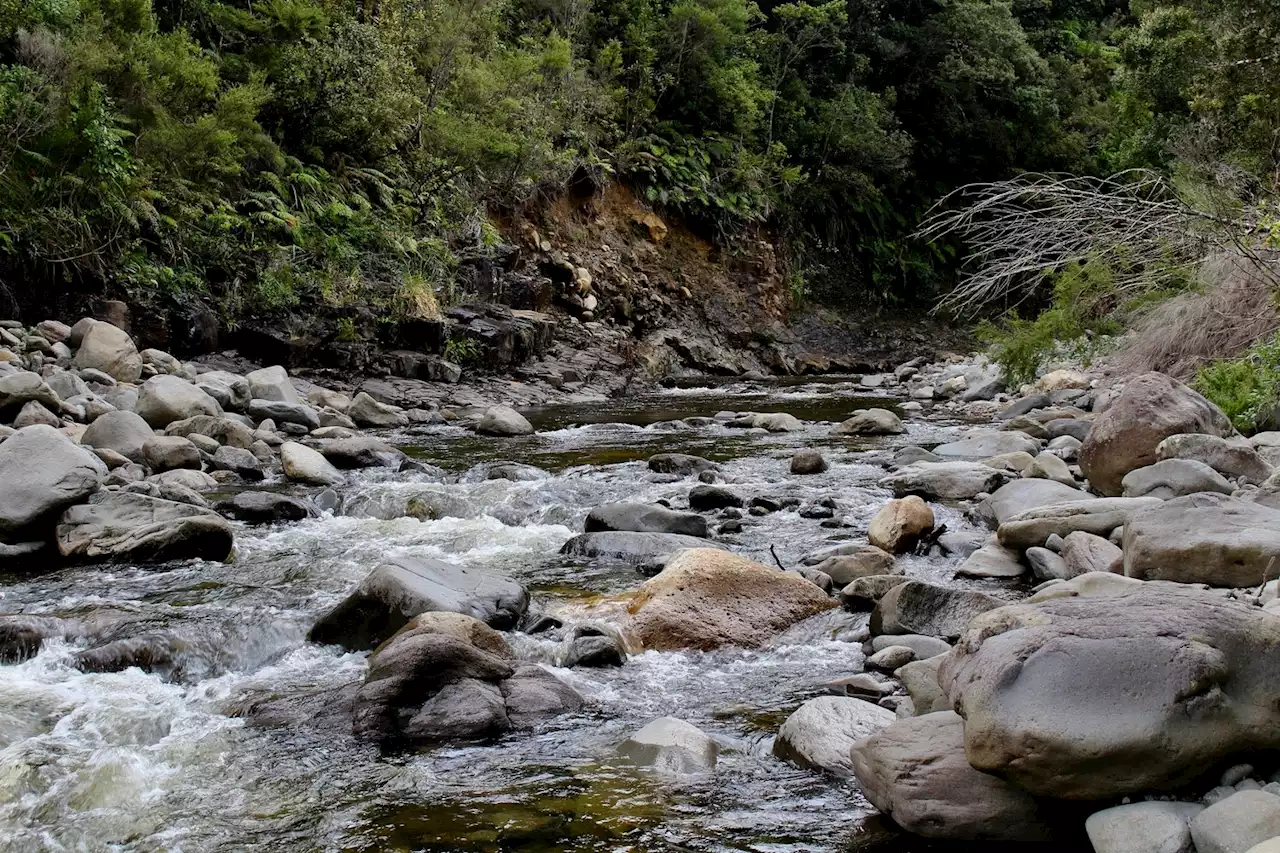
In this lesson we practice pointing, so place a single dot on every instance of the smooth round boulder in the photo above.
(42, 472)
(368, 412)
(900, 525)
(1239, 822)
(105, 347)
(820, 734)
(503, 421)
(167, 452)
(303, 465)
(808, 462)
(871, 422)
(272, 383)
(1150, 827)
(164, 399)
(671, 745)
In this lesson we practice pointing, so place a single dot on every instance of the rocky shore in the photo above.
(1113, 677)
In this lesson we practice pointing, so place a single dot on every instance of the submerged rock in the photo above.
(632, 547)
(265, 508)
(645, 518)
(680, 463)
(672, 746)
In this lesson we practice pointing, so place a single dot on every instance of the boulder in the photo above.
(805, 462)
(1126, 436)
(1204, 538)
(281, 412)
(164, 399)
(272, 383)
(1232, 458)
(945, 480)
(368, 412)
(630, 547)
(821, 733)
(1091, 697)
(166, 452)
(680, 463)
(221, 429)
(109, 349)
(18, 389)
(707, 598)
(992, 560)
(705, 497)
(240, 462)
(1174, 478)
(776, 422)
(403, 587)
(34, 413)
(867, 561)
(1022, 495)
(864, 593)
(42, 472)
(131, 527)
(1047, 466)
(920, 678)
(361, 451)
(264, 508)
(1150, 827)
(645, 518)
(230, 390)
(1099, 516)
(914, 771)
(900, 525)
(671, 745)
(916, 607)
(1237, 823)
(871, 422)
(1084, 553)
(65, 384)
(323, 398)
(594, 646)
(304, 465)
(982, 444)
(503, 421)
(912, 455)
(1047, 565)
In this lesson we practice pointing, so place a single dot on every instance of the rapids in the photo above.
(131, 761)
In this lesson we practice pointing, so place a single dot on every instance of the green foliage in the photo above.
(1080, 312)
(463, 351)
(1247, 389)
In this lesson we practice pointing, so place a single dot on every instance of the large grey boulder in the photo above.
(1126, 436)
(680, 463)
(230, 390)
(1237, 823)
(35, 413)
(167, 452)
(992, 560)
(1231, 458)
(1100, 516)
(265, 508)
(1092, 697)
(107, 348)
(1084, 553)
(1205, 538)
(982, 444)
(66, 385)
(645, 518)
(368, 412)
(133, 527)
(123, 432)
(920, 678)
(503, 421)
(272, 383)
(1022, 495)
(1174, 478)
(361, 451)
(223, 430)
(671, 745)
(303, 465)
(164, 399)
(945, 480)
(41, 473)
(915, 771)
(1150, 827)
(403, 587)
(866, 561)
(917, 607)
(820, 734)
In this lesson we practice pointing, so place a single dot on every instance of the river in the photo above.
(132, 761)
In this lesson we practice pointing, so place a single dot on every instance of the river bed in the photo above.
(132, 761)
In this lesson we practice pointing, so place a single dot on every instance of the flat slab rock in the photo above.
(1204, 538)
(917, 607)
(140, 528)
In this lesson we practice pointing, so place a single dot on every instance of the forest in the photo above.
(256, 152)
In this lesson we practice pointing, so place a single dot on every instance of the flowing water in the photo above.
(132, 761)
